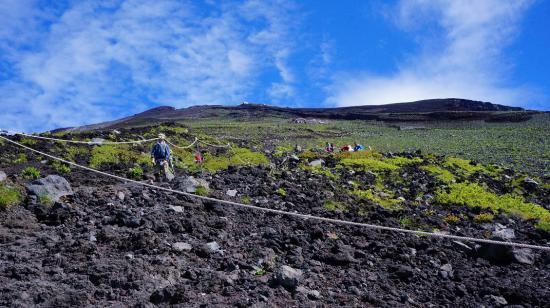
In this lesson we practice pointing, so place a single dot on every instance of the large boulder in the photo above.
(52, 186)
(3, 176)
(288, 277)
(190, 184)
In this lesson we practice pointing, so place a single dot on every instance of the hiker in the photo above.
(329, 147)
(346, 148)
(198, 157)
(162, 159)
(297, 149)
(358, 147)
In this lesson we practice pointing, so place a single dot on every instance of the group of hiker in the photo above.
(329, 148)
(161, 155)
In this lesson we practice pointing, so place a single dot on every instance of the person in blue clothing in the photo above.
(358, 147)
(162, 158)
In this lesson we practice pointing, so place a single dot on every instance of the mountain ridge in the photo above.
(423, 110)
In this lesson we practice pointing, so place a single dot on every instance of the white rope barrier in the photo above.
(183, 147)
(281, 212)
(86, 142)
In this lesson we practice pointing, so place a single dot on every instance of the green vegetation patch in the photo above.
(30, 173)
(335, 206)
(403, 161)
(440, 173)
(213, 163)
(8, 196)
(117, 154)
(281, 191)
(202, 191)
(61, 168)
(135, 173)
(462, 166)
(473, 195)
(484, 217)
(386, 202)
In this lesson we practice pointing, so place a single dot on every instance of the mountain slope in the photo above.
(424, 110)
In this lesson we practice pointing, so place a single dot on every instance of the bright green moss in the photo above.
(385, 202)
(403, 161)
(117, 154)
(462, 166)
(109, 155)
(473, 195)
(8, 196)
(212, 163)
(334, 206)
(440, 173)
(281, 191)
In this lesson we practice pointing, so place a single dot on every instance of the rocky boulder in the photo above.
(288, 277)
(190, 184)
(52, 186)
(3, 176)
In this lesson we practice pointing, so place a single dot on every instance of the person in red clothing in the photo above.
(198, 157)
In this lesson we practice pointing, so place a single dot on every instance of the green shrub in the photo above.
(439, 173)
(403, 161)
(21, 158)
(117, 154)
(281, 191)
(405, 221)
(28, 141)
(61, 168)
(45, 200)
(385, 202)
(135, 173)
(473, 195)
(30, 173)
(334, 206)
(451, 218)
(462, 166)
(8, 196)
(201, 191)
(484, 217)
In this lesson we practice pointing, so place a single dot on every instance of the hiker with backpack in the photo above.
(162, 159)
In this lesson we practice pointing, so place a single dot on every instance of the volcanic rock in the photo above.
(288, 277)
(52, 186)
(190, 184)
(523, 255)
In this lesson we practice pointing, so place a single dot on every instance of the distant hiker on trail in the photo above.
(329, 148)
(358, 147)
(198, 157)
(346, 148)
(298, 149)
(162, 159)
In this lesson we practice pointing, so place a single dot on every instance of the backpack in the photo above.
(161, 151)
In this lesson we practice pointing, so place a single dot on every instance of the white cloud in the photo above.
(94, 61)
(463, 60)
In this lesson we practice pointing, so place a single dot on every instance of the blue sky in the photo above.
(68, 63)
